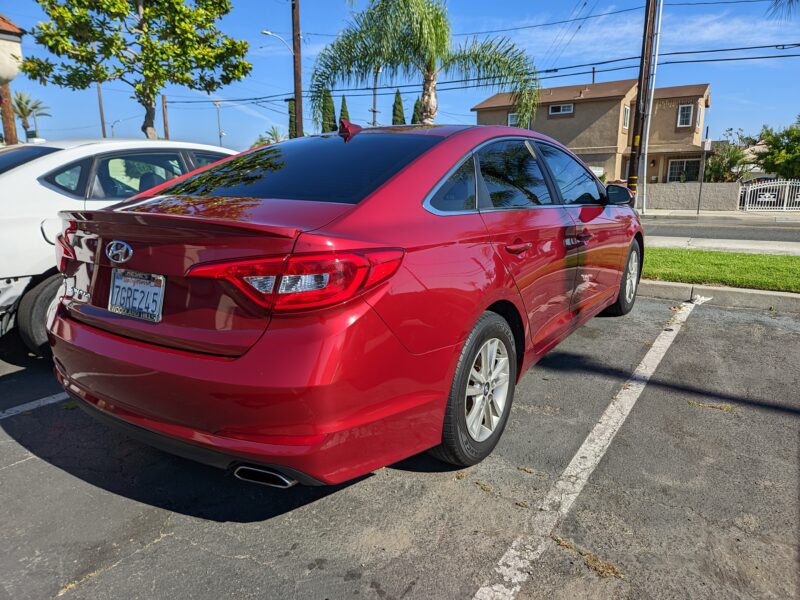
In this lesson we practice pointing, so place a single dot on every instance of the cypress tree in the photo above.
(328, 112)
(343, 112)
(292, 125)
(416, 118)
(398, 116)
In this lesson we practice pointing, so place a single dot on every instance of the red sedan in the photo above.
(316, 309)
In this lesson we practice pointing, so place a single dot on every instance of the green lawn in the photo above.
(735, 269)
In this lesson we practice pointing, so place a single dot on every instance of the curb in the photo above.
(721, 296)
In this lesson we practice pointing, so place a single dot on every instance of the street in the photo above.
(723, 228)
(696, 496)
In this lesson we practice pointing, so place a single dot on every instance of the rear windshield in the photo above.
(322, 168)
(13, 157)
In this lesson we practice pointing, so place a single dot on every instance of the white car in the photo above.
(38, 180)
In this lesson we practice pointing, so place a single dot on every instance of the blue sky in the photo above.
(743, 94)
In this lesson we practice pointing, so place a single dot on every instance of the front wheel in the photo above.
(629, 284)
(481, 394)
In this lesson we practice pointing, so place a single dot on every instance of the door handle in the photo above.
(584, 236)
(518, 247)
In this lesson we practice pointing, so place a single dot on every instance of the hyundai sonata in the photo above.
(316, 309)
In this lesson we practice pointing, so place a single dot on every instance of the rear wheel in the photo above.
(481, 394)
(629, 284)
(36, 310)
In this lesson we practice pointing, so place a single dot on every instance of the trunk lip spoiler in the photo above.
(156, 219)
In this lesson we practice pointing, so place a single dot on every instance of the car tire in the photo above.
(32, 314)
(629, 284)
(474, 420)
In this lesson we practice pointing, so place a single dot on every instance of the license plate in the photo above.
(138, 295)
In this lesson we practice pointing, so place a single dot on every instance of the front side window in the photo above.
(202, 159)
(122, 176)
(683, 170)
(457, 193)
(320, 168)
(685, 115)
(510, 177)
(576, 184)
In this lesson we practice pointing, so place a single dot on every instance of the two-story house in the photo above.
(596, 122)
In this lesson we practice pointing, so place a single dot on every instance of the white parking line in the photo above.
(515, 565)
(33, 405)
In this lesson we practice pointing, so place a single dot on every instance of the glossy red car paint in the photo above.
(335, 392)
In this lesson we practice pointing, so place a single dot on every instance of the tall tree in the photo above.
(398, 116)
(343, 112)
(146, 44)
(416, 116)
(26, 108)
(292, 121)
(412, 38)
(328, 113)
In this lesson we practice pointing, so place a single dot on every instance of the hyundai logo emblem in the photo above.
(119, 252)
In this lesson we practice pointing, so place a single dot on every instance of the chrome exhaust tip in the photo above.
(263, 476)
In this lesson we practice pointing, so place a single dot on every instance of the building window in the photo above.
(685, 114)
(683, 170)
(560, 109)
(512, 120)
(626, 117)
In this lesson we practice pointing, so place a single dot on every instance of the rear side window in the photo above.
(71, 178)
(511, 177)
(322, 168)
(577, 186)
(457, 193)
(13, 157)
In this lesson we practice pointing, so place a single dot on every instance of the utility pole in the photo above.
(706, 148)
(641, 95)
(298, 73)
(164, 114)
(7, 109)
(651, 93)
(100, 106)
(220, 133)
(593, 73)
(374, 109)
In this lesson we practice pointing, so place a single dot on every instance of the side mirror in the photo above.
(619, 194)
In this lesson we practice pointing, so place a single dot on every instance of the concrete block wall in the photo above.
(683, 196)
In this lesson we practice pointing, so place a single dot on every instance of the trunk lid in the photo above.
(169, 235)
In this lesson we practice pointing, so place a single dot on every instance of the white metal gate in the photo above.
(780, 194)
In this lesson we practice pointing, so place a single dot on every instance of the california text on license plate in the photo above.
(138, 295)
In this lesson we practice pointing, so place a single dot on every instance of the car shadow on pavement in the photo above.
(569, 362)
(67, 438)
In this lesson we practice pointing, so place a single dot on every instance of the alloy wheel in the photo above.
(487, 389)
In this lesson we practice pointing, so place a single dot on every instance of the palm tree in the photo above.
(412, 38)
(784, 8)
(26, 108)
(273, 135)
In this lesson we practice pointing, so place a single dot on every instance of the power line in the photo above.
(573, 20)
(542, 74)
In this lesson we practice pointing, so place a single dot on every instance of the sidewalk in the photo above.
(723, 245)
(722, 215)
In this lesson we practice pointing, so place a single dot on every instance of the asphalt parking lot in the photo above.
(695, 497)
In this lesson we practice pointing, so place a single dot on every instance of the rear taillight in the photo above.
(305, 281)
(64, 250)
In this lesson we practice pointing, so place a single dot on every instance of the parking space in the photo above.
(696, 495)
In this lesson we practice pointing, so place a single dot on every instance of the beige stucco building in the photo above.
(596, 122)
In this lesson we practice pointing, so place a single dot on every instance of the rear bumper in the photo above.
(321, 398)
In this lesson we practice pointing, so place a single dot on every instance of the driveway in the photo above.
(694, 494)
